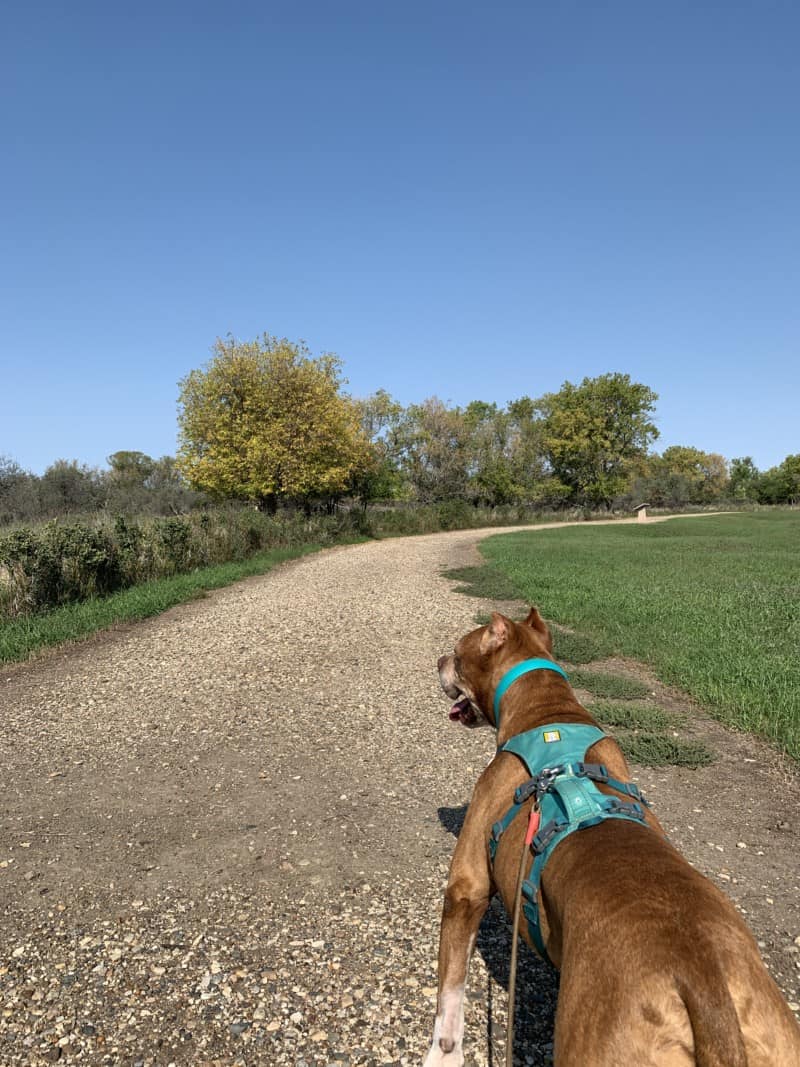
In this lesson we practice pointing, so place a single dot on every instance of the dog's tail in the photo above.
(718, 1040)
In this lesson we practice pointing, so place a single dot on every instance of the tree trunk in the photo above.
(268, 503)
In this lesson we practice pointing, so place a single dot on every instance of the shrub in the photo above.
(45, 566)
(174, 540)
(455, 515)
(59, 564)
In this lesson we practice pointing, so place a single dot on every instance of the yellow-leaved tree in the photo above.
(263, 421)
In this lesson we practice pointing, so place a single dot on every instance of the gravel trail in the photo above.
(225, 832)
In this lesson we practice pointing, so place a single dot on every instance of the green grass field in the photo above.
(713, 604)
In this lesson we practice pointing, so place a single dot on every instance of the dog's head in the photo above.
(471, 672)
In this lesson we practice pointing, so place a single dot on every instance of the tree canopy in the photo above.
(263, 421)
(594, 432)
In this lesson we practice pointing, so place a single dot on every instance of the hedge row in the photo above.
(64, 562)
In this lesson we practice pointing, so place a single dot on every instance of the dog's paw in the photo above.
(437, 1057)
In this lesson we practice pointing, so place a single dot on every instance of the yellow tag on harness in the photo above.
(551, 735)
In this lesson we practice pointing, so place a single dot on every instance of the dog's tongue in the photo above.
(459, 709)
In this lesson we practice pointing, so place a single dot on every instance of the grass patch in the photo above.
(489, 583)
(656, 750)
(633, 716)
(18, 639)
(578, 648)
(712, 603)
(608, 686)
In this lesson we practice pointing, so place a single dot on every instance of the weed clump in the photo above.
(656, 750)
(609, 686)
(632, 716)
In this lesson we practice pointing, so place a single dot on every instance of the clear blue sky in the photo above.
(473, 200)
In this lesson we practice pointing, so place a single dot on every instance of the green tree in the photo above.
(594, 432)
(743, 479)
(491, 473)
(19, 499)
(381, 478)
(139, 484)
(530, 469)
(705, 474)
(781, 484)
(791, 471)
(263, 421)
(67, 487)
(434, 455)
(132, 467)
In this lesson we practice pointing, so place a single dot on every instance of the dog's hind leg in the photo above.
(466, 899)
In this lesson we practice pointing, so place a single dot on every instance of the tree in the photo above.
(704, 473)
(131, 467)
(530, 469)
(593, 433)
(489, 446)
(67, 487)
(139, 484)
(263, 421)
(380, 418)
(781, 484)
(682, 475)
(18, 492)
(744, 477)
(434, 454)
(791, 472)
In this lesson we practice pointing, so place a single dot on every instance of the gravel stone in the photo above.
(238, 819)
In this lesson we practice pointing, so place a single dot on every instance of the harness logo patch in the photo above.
(551, 735)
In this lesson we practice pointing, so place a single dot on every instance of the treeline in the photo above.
(133, 484)
(265, 424)
(536, 452)
(480, 455)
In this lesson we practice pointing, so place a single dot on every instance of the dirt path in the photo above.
(224, 833)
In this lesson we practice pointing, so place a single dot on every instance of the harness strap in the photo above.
(543, 845)
(596, 772)
(565, 786)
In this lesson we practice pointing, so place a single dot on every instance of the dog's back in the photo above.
(685, 985)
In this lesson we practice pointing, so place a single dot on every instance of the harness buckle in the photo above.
(546, 835)
(615, 806)
(526, 790)
(596, 772)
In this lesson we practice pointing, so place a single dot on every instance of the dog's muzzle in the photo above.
(462, 710)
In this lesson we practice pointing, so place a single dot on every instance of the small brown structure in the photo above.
(641, 512)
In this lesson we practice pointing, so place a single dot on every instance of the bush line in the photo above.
(74, 560)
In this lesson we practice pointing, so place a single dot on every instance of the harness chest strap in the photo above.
(569, 799)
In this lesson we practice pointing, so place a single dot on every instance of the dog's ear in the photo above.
(537, 623)
(496, 633)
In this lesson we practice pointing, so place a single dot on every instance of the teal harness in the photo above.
(565, 788)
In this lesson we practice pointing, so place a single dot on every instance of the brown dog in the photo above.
(657, 967)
